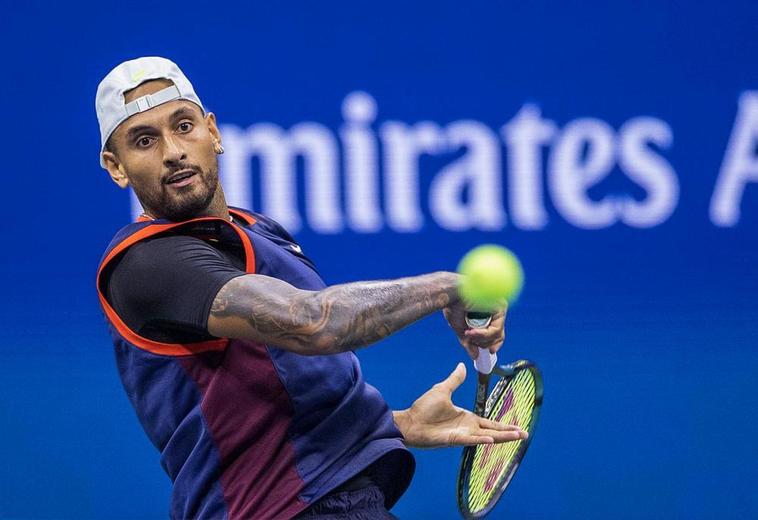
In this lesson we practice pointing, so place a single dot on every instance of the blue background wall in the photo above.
(646, 335)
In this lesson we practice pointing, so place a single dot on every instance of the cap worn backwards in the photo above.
(111, 107)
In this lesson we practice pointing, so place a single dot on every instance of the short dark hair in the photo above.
(109, 145)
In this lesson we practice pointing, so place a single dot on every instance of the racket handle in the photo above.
(478, 319)
(485, 362)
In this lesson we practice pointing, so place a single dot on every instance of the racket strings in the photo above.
(494, 462)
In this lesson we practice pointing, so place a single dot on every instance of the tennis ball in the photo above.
(491, 276)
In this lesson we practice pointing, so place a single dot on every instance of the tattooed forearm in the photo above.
(335, 319)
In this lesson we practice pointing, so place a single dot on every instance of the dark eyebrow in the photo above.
(182, 112)
(179, 113)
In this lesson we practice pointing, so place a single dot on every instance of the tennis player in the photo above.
(235, 355)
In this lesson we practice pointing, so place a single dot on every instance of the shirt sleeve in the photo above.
(163, 288)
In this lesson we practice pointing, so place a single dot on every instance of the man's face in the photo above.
(167, 154)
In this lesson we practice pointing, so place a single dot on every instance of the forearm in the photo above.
(357, 314)
(338, 318)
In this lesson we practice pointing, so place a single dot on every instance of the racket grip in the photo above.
(485, 362)
(478, 319)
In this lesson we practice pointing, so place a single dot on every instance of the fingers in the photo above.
(486, 429)
(475, 341)
(487, 437)
(500, 437)
(501, 432)
(494, 425)
(455, 379)
(490, 338)
(471, 440)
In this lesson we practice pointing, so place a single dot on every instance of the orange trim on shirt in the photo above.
(242, 215)
(157, 347)
(247, 218)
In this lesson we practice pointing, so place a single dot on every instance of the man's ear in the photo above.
(210, 120)
(115, 169)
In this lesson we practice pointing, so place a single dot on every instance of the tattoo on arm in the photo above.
(335, 319)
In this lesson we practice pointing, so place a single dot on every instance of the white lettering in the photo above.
(649, 170)
(403, 145)
(277, 151)
(479, 170)
(361, 163)
(582, 157)
(524, 136)
(740, 164)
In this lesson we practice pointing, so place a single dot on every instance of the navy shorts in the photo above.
(361, 504)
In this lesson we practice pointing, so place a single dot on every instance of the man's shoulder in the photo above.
(153, 250)
(166, 248)
(156, 260)
(272, 226)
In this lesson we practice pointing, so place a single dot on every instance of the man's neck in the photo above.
(217, 207)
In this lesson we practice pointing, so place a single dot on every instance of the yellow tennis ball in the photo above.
(491, 276)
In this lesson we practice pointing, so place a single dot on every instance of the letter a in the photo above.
(740, 164)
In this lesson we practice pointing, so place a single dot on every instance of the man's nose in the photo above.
(173, 152)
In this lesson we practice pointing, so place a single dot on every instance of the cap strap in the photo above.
(152, 100)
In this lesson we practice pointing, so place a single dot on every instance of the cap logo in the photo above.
(138, 75)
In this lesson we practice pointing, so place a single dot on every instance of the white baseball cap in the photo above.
(111, 108)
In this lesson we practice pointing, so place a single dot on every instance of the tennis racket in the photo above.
(487, 469)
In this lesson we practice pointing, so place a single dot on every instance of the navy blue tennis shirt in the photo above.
(245, 430)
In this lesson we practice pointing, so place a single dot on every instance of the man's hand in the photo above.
(433, 421)
(490, 337)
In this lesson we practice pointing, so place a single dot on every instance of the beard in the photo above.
(181, 204)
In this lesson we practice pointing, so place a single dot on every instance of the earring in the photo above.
(218, 148)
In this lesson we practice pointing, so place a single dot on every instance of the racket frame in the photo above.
(506, 374)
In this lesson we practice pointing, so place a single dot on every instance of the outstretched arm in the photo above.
(335, 319)
(433, 421)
